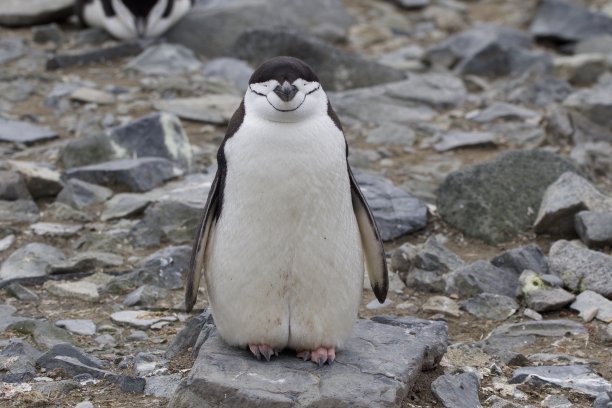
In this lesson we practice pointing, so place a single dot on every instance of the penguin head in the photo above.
(285, 89)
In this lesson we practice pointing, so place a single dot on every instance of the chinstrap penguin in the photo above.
(286, 231)
(129, 19)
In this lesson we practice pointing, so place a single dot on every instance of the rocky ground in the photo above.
(480, 132)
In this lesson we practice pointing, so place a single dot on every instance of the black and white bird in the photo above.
(286, 233)
(129, 19)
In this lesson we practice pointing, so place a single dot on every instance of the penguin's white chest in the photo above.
(285, 261)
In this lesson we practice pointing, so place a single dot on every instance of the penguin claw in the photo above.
(255, 350)
(264, 350)
(319, 356)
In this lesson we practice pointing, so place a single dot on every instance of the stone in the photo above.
(131, 384)
(157, 135)
(233, 70)
(106, 340)
(90, 95)
(603, 400)
(592, 104)
(580, 378)
(82, 290)
(588, 300)
(504, 111)
(162, 386)
(7, 242)
(562, 200)
(19, 211)
(48, 33)
(55, 230)
(396, 212)
(31, 260)
(375, 304)
(557, 401)
(455, 140)
(581, 69)
(356, 379)
(16, 13)
(457, 391)
(138, 175)
(18, 361)
(97, 55)
(7, 318)
(539, 296)
(425, 268)
(226, 21)
(481, 277)
(13, 187)
(137, 335)
(138, 319)
(41, 180)
(44, 334)
(485, 50)
(22, 293)
(214, 109)
(78, 326)
(392, 134)
(564, 21)
(23, 132)
(532, 314)
(519, 259)
(166, 60)
(84, 404)
(192, 336)
(80, 194)
(412, 4)
(544, 328)
(124, 205)
(580, 268)
(72, 361)
(63, 212)
(337, 69)
(442, 304)
(165, 268)
(87, 261)
(145, 295)
(594, 228)
(599, 44)
(489, 306)
(11, 49)
(503, 194)
(594, 157)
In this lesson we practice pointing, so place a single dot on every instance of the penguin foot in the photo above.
(264, 350)
(319, 356)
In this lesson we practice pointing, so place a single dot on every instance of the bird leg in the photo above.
(318, 356)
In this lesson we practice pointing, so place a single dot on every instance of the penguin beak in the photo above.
(286, 92)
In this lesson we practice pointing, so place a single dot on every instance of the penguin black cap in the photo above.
(283, 69)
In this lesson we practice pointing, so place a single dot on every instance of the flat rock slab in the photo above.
(24, 132)
(377, 367)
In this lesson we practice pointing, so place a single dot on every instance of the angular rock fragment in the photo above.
(589, 300)
(481, 277)
(580, 378)
(166, 60)
(80, 194)
(520, 259)
(457, 391)
(490, 306)
(24, 132)
(594, 228)
(539, 296)
(215, 109)
(32, 260)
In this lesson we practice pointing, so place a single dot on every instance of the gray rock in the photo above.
(50, 229)
(593, 157)
(581, 268)
(594, 228)
(544, 328)
(137, 335)
(44, 334)
(7, 242)
(581, 69)
(603, 400)
(138, 175)
(106, 340)
(22, 293)
(337, 69)
(213, 108)
(131, 384)
(84, 404)
(557, 401)
(78, 326)
(124, 205)
(589, 300)
(455, 140)
(481, 277)
(223, 22)
(72, 361)
(441, 304)
(457, 391)
(485, 50)
(519, 259)
(87, 261)
(504, 111)
(600, 44)
(392, 134)
(11, 49)
(18, 361)
(63, 212)
(539, 296)
(538, 86)
(157, 135)
(16, 13)
(24, 132)
(192, 336)
(489, 306)
(32, 260)
(564, 21)
(171, 219)
(162, 386)
(496, 402)
(165, 268)
(562, 200)
(356, 378)
(19, 211)
(13, 187)
(235, 71)
(82, 290)
(91, 95)
(48, 33)
(166, 60)
(592, 103)
(412, 4)
(146, 295)
(502, 194)
(138, 319)
(80, 194)
(425, 268)
(7, 318)
(580, 378)
(40, 178)
(396, 212)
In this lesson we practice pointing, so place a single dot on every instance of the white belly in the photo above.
(285, 264)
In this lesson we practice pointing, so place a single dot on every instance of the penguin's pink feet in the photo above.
(318, 356)
(264, 350)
